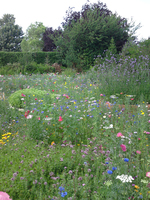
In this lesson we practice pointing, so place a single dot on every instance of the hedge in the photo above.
(38, 57)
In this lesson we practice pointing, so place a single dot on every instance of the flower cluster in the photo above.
(125, 178)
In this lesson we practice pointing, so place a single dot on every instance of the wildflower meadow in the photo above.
(77, 136)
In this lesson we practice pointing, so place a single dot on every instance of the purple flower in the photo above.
(80, 178)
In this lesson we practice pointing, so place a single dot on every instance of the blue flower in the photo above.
(61, 189)
(114, 168)
(109, 172)
(126, 160)
(63, 194)
(85, 163)
(106, 162)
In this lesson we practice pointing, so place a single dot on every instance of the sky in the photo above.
(52, 12)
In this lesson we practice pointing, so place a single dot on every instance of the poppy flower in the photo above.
(60, 119)
(148, 174)
(119, 134)
(123, 147)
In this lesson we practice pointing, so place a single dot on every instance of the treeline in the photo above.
(84, 35)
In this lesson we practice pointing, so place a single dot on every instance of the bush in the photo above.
(18, 98)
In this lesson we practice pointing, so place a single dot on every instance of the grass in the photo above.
(82, 143)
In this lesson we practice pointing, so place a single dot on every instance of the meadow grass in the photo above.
(88, 143)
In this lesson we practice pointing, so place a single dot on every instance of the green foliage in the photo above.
(15, 98)
(25, 58)
(89, 35)
(111, 49)
(11, 34)
(32, 41)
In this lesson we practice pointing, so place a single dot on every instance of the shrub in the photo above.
(18, 98)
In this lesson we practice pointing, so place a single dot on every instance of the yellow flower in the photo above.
(8, 133)
(136, 186)
(78, 144)
(90, 84)
(33, 95)
(52, 143)
(74, 102)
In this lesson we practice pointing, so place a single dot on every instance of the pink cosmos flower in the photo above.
(60, 119)
(148, 174)
(4, 196)
(23, 95)
(119, 134)
(101, 95)
(138, 152)
(123, 147)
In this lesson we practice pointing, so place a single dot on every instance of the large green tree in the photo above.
(88, 33)
(11, 34)
(33, 41)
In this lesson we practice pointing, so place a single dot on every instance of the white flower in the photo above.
(113, 96)
(110, 126)
(22, 99)
(125, 178)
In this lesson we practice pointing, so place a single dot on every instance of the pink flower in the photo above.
(60, 119)
(139, 138)
(101, 95)
(119, 134)
(123, 147)
(148, 174)
(35, 99)
(23, 95)
(139, 152)
(132, 99)
(4, 196)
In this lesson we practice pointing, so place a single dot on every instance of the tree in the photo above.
(33, 41)
(88, 33)
(49, 44)
(11, 35)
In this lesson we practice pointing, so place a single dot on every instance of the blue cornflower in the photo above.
(109, 172)
(114, 168)
(63, 194)
(107, 163)
(61, 189)
(42, 112)
(126, 160)
(140, 197)
(85, 163)
(17, 121)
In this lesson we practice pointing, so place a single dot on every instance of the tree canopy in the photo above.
(88, 33)
(33, 41)
(11, 34)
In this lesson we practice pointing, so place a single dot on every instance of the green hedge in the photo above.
(38, 57)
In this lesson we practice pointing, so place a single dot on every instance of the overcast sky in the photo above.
(51, 12)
